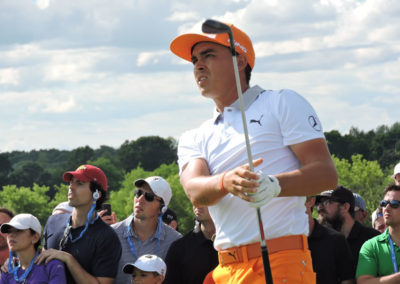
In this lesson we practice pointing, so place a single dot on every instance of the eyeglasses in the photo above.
(393, 203)
(147, 195)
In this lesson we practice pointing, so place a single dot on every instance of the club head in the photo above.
(215, 27)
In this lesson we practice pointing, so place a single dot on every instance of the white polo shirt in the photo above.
(275, 120)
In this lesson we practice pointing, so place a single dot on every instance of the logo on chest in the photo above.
(257, 120)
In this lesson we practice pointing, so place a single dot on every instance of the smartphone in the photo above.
(106, 206)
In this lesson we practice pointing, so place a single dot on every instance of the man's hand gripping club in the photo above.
(268, 189)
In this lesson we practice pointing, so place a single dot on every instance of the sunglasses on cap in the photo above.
(150, 197)
(393, 203)
(327, 201)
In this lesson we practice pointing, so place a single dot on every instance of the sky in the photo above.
(99, 72)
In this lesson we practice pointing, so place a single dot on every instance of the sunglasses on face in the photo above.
(393, 203)
(150, 197)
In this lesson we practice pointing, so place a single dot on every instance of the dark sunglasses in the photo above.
(393, 203)
(147, 195)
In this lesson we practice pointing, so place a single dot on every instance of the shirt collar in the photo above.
(384, 237)
(249, 96)
(131, 233)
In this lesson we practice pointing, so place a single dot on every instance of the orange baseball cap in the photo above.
(182, 45)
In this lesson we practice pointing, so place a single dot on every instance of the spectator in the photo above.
(190, 258)
(170, 218)
(89, 248)
(330, 252)
(62, 208)
(144, 232)
(336, 207)
(147, 269)
(396, 174)
(23, 237)
(5, 216)
(378, 223)
(379, 256)
(360, 210)
(292, 161)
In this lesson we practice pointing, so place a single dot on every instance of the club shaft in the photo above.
(246, 133)
(264, 250)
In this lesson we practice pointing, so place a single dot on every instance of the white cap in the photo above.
(64, 206)
(375, 216)
(22, 222)
(396, 170)
(147, 262)
(159, 186)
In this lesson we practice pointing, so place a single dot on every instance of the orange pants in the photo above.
(288, 266)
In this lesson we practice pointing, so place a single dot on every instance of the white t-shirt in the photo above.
(275, 120)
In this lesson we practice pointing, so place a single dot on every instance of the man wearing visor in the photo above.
(291, 161)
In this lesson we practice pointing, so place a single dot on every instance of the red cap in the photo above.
(87, 173)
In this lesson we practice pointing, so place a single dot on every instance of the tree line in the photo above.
(32, 181)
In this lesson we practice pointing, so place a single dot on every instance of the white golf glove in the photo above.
(268, 189)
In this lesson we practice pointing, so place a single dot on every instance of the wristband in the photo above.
(221, 183)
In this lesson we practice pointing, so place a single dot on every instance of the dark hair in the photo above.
(37, 244)
(248, 67)
(392, 187)
(96, 186)
(7, 211)
(248, 73)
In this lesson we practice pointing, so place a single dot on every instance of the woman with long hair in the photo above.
(23, 238)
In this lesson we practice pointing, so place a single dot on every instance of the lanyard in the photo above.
(394, 262)
(14, 270)
(128, 230)
(89, 216)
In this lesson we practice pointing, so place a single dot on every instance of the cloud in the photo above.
(9, 76)
(103, 73)
(146, 58)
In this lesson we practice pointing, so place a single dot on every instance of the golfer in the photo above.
(291, 161)
(23, 238)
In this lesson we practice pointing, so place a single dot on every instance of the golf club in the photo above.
(215, 27)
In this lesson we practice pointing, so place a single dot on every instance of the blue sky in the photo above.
(97, 72)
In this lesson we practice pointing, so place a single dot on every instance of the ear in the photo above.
(35, 238)
(346, 206)
(159, 279)
(242, 61)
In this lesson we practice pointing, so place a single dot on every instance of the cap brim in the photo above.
(67, 176)
(319, 197)
(140, 182)
(5, 228)
(182, 45)
(128, 268)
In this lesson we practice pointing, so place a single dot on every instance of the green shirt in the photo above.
(375, 258)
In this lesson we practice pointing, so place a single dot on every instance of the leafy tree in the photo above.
(149, 151)
(363, 177)
(27, 200)
(79, 156)
(5, 168)
(113, 174)
(27, 174)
